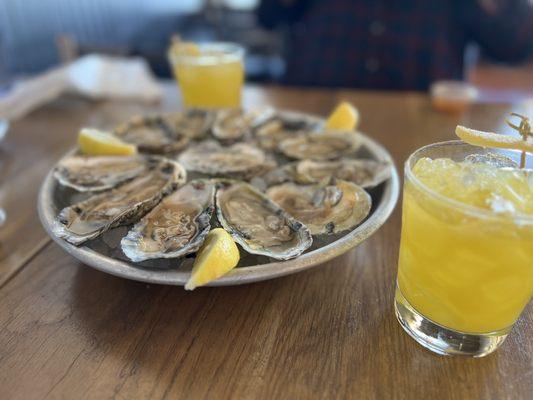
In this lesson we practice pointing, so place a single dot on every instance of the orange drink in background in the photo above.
(209, 75)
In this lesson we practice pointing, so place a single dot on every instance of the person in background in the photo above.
(394, 44)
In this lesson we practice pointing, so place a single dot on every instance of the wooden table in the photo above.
(68, 331)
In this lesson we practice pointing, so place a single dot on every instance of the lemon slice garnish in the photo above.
(186, 49)
(345, 117)
(217, 256)
(95, 142)
(489, 139)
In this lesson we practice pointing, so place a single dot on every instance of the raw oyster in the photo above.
(175, 227)
(276, 176)
(239, 161)
(328, 209)
(232, 124)
(153, 134)
(278, 127)
(365, 173)
(193, 123)
(126, 203)
(258, 224)
(92, 173)
(320, 146)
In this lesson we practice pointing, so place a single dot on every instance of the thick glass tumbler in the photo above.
(465, 273)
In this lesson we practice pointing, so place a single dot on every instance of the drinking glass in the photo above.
(465, 274)
(211, 79)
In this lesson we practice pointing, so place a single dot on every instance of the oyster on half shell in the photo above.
(175, 227)
(365, 173)
(124, 204)
(276, 176)
(328, 209)
(320, 146)
(239, 161)
(94, 173)
(153, 134)
(277, 127)
(233, 124)
(258, 224)
(193, 123)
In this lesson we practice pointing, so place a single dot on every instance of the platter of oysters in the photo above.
(290, 192)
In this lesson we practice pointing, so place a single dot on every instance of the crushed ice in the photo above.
(500, 205)
(496, 160)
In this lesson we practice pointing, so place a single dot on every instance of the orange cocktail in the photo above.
(466, 254)
(209, 75)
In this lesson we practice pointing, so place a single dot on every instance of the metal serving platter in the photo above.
(104, 253)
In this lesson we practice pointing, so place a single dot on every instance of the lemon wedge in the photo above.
(217, 256)
(345, 117)
(489, 139)
(190, 49)
(95, 142)
(185, 49)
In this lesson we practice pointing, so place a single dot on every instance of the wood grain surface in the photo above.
(67, 331)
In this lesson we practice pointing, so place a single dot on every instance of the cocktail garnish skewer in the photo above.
(525, 130)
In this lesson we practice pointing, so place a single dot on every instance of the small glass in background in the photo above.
(453, 97)
(209, 75)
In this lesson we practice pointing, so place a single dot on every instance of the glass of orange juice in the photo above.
(465, 269)
(209, 75)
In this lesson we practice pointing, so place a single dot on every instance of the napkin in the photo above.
(93, 76)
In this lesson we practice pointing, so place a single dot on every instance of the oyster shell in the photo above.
(94, 173)
(232, 124)
(365, 173)
(153, 134)
(327, 209)
(90, 218)
(278, 127)
(276, 176)
(239, 161)
(258, 224)
(193, 123)
(320, 146)
(175, 227)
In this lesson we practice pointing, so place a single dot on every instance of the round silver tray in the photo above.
(104, 254)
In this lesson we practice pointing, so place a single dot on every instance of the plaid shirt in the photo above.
(393, 44)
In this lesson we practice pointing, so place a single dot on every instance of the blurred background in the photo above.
(373, 44)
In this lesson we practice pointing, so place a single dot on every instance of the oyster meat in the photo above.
(124, 204)
(276, 176)
(153, 134)
(175, 227)
(239, 161)
(258, 224)
(324, 209)
(94, 173)
(193, 123)
(320, 146)
(232, 124)
(278, 127)
(365, 173)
